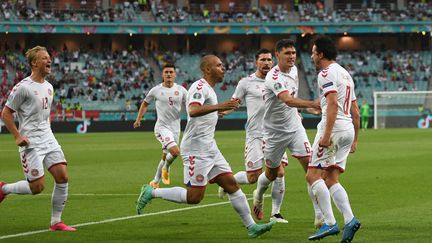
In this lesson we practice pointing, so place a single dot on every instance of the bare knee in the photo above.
(194, 199)
(175, 151)
(37, 188)
(62, 179)
(253, 177)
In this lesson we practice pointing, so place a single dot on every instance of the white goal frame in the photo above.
(377, 93)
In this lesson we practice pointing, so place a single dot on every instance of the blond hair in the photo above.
(31, 54)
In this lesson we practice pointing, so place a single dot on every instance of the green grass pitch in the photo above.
(388, 181)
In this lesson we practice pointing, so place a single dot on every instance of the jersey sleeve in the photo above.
(150, 96)
(197, 94)
(240, 91)
(354, 97)
(327, 82)
(277, 85)
(16, 97)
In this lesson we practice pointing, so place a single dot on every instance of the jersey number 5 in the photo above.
(44, 103)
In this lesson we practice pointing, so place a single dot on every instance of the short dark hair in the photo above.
(261, 51)
(284, 43)
(326, 46)
(168, 65)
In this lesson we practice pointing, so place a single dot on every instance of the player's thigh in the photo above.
(32, 164)
(220, 167)
(254, 154)
(299, 144)
(166, 138)
(196, 169)
(274, 149)
(343, 140)
(322, 157)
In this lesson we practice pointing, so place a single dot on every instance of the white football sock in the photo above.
(239, 203)
(322, 194)
(173, 194)
(262, 185)
(318, 213)
(58, 201)
(169, 160)
(278, 192)
(158, 175)
(340, 199)
(20, 187)
(241, 177)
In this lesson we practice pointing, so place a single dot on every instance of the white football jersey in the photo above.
(250, 90)
(278, 116)
(336, 79)
(199, 132)
(169, 103)
(31, 102)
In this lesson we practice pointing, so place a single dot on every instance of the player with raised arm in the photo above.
(336, 137)
(250, 92)
(282, 127)
(202, 160)
(31, 101)
(170, 99)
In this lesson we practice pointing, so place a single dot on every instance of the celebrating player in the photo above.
(31, 101)
(335, 139)
(202, 160)
(170, 98)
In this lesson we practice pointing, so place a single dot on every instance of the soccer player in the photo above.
(364, 112)
(336, 137)
(202, 160)
(282, 127)
(31, 101)
(170, 98)
(250, 91)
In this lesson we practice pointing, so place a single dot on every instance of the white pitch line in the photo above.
(121, 218)
(105, 194)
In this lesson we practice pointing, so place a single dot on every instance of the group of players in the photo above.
(273, 125)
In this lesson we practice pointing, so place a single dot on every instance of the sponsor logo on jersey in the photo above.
(197, 96)
(327, 85)
(200, 178)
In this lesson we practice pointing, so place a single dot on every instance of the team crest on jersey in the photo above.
(34, 172)
(249, 164)
(197, 96)
(277, 86)
(167, 139)
(49, 92)
(176, 93)
(200, 178)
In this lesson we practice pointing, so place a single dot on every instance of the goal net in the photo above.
(402, 109)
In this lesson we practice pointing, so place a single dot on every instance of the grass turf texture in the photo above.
(387, 181)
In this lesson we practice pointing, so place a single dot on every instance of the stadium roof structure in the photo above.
(214, 28)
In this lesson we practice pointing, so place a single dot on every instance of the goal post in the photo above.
(402, 109)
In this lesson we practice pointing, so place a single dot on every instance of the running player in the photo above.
(170, 99)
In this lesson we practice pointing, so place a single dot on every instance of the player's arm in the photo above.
(196, 109)
(227, 112)
(355, 115)
(332, 108)
(142, 110)
(8, 120)
(297, 102)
